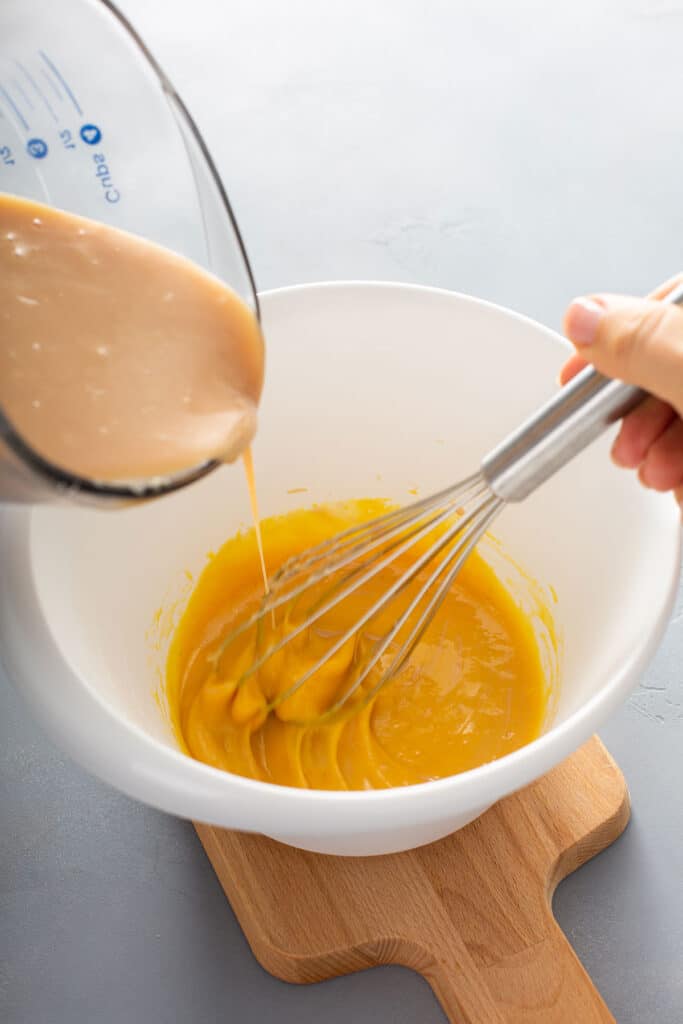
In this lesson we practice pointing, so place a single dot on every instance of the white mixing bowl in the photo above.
(372, 389)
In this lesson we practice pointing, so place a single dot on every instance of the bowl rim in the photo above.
(20, 604)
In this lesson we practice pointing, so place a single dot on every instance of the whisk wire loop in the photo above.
(278, 596)
(377, 607)
(454, 558)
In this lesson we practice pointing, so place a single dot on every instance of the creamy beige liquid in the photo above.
(119, 359)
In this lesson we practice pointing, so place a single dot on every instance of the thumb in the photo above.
(639, 341)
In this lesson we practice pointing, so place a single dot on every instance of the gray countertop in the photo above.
(521, 152)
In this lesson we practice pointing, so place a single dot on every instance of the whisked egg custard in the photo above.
(473, 691)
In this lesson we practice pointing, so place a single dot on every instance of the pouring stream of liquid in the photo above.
(248, 463)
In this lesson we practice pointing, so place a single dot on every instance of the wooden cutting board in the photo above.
(472, 912)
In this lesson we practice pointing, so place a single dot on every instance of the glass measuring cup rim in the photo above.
(129, 491)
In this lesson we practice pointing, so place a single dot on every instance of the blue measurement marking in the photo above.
(22, 92)
(29, 78)
(50, 80)
(91, 134)
(18, 114)
(37, 148)
(64, 84)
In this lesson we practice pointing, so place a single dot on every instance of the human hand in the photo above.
(639, 341)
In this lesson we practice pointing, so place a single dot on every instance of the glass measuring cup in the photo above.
(90, 123)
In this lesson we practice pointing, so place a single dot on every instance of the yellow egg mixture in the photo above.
(473, 691)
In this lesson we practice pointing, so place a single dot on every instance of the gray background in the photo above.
(521, 152)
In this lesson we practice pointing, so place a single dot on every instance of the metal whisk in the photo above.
(437, 534)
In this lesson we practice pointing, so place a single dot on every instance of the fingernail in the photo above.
(582, 320)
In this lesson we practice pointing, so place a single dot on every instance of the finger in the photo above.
(640, 430)
(662, 290)
(662, 468)
(574, 365)
(639, 341)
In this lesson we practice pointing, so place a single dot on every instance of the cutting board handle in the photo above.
(472, 912)
(546, 981)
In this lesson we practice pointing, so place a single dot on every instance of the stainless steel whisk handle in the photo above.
(563, 427)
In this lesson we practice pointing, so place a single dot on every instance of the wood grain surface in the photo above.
(472, 912)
